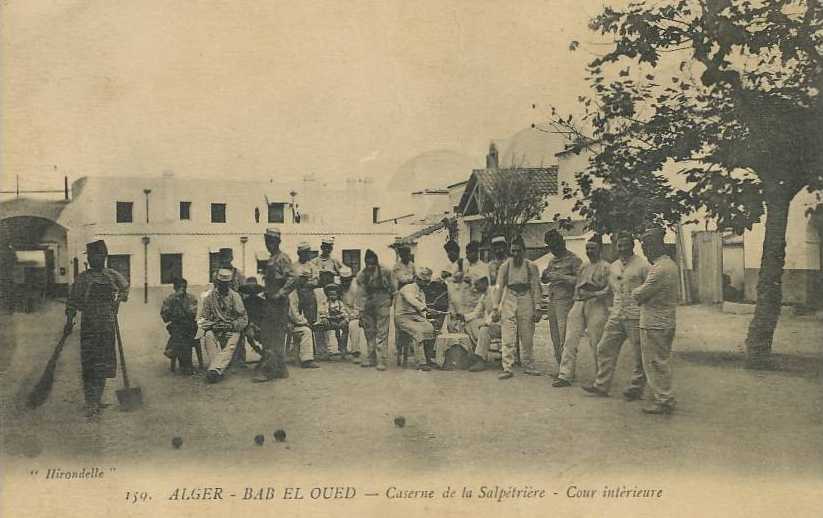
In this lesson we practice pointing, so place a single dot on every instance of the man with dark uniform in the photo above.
(279, 280)
(97, 293)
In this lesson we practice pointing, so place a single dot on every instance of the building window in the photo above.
(218, 212)
(171, 267)
(124, 211)
(375, 214)
(351, 258)
(185, 210)
(277, 212)
(121, 264)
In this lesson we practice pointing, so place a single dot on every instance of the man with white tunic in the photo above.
(325, 263)
(477, 324)
(658, 297)
(411, 315)
(517, 302)
(301, 331)
(589, 312)
(223, 319)
(473, 270)
(628, 272)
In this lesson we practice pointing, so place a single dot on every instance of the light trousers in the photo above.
(517, 320)
(656, 346)
(557, 315)
(220, 355)
(586, 317)
(615, 333)
(302, 339)
(357, 338)
(479, 334)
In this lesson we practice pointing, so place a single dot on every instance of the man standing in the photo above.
(375, 289)
(411, 315)
(223, 319)
(179, 312)
(561, 275)
(308, 273)
(326, 266)
(500, 252)
(516, 301)
(279, 280)
(628, 272)
(589, 313)
(658, 298)
(97, 293)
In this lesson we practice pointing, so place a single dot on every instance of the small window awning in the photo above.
(31, 258)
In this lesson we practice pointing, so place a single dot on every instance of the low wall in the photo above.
(799, 286)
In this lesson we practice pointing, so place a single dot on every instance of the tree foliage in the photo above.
(725, 94)
(509, 202)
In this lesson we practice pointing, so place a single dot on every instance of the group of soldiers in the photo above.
(323, 310)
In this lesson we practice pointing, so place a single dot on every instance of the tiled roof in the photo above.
(413, 237)
(543, 180)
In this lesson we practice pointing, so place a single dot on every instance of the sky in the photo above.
(275, 89)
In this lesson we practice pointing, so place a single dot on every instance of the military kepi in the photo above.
(97, 247)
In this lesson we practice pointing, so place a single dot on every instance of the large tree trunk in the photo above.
(770, 280)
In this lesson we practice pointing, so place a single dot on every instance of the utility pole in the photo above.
(243, 241)
(146, 241)
(147, 192)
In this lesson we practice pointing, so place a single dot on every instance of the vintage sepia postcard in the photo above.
(389, 258)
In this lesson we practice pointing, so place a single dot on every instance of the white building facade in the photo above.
(159, 228)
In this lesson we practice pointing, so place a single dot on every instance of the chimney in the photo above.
(491, 158)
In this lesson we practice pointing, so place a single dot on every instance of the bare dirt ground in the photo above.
(729, 420)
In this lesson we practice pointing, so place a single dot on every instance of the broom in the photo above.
(40, 392)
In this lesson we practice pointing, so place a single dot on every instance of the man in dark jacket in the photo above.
(97, 294)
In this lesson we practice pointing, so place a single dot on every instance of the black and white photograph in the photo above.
(439, 258)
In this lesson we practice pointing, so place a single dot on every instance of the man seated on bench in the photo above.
(411, 314)
(477, 324)
(302, 333)
(223, 319)
(178, 313)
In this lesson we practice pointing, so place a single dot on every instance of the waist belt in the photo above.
(519, 289)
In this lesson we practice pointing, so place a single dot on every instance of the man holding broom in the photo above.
(97, 293)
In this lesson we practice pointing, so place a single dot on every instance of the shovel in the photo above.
(130, 398)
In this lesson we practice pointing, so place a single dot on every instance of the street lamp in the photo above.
(146, 240)
(243, 241)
